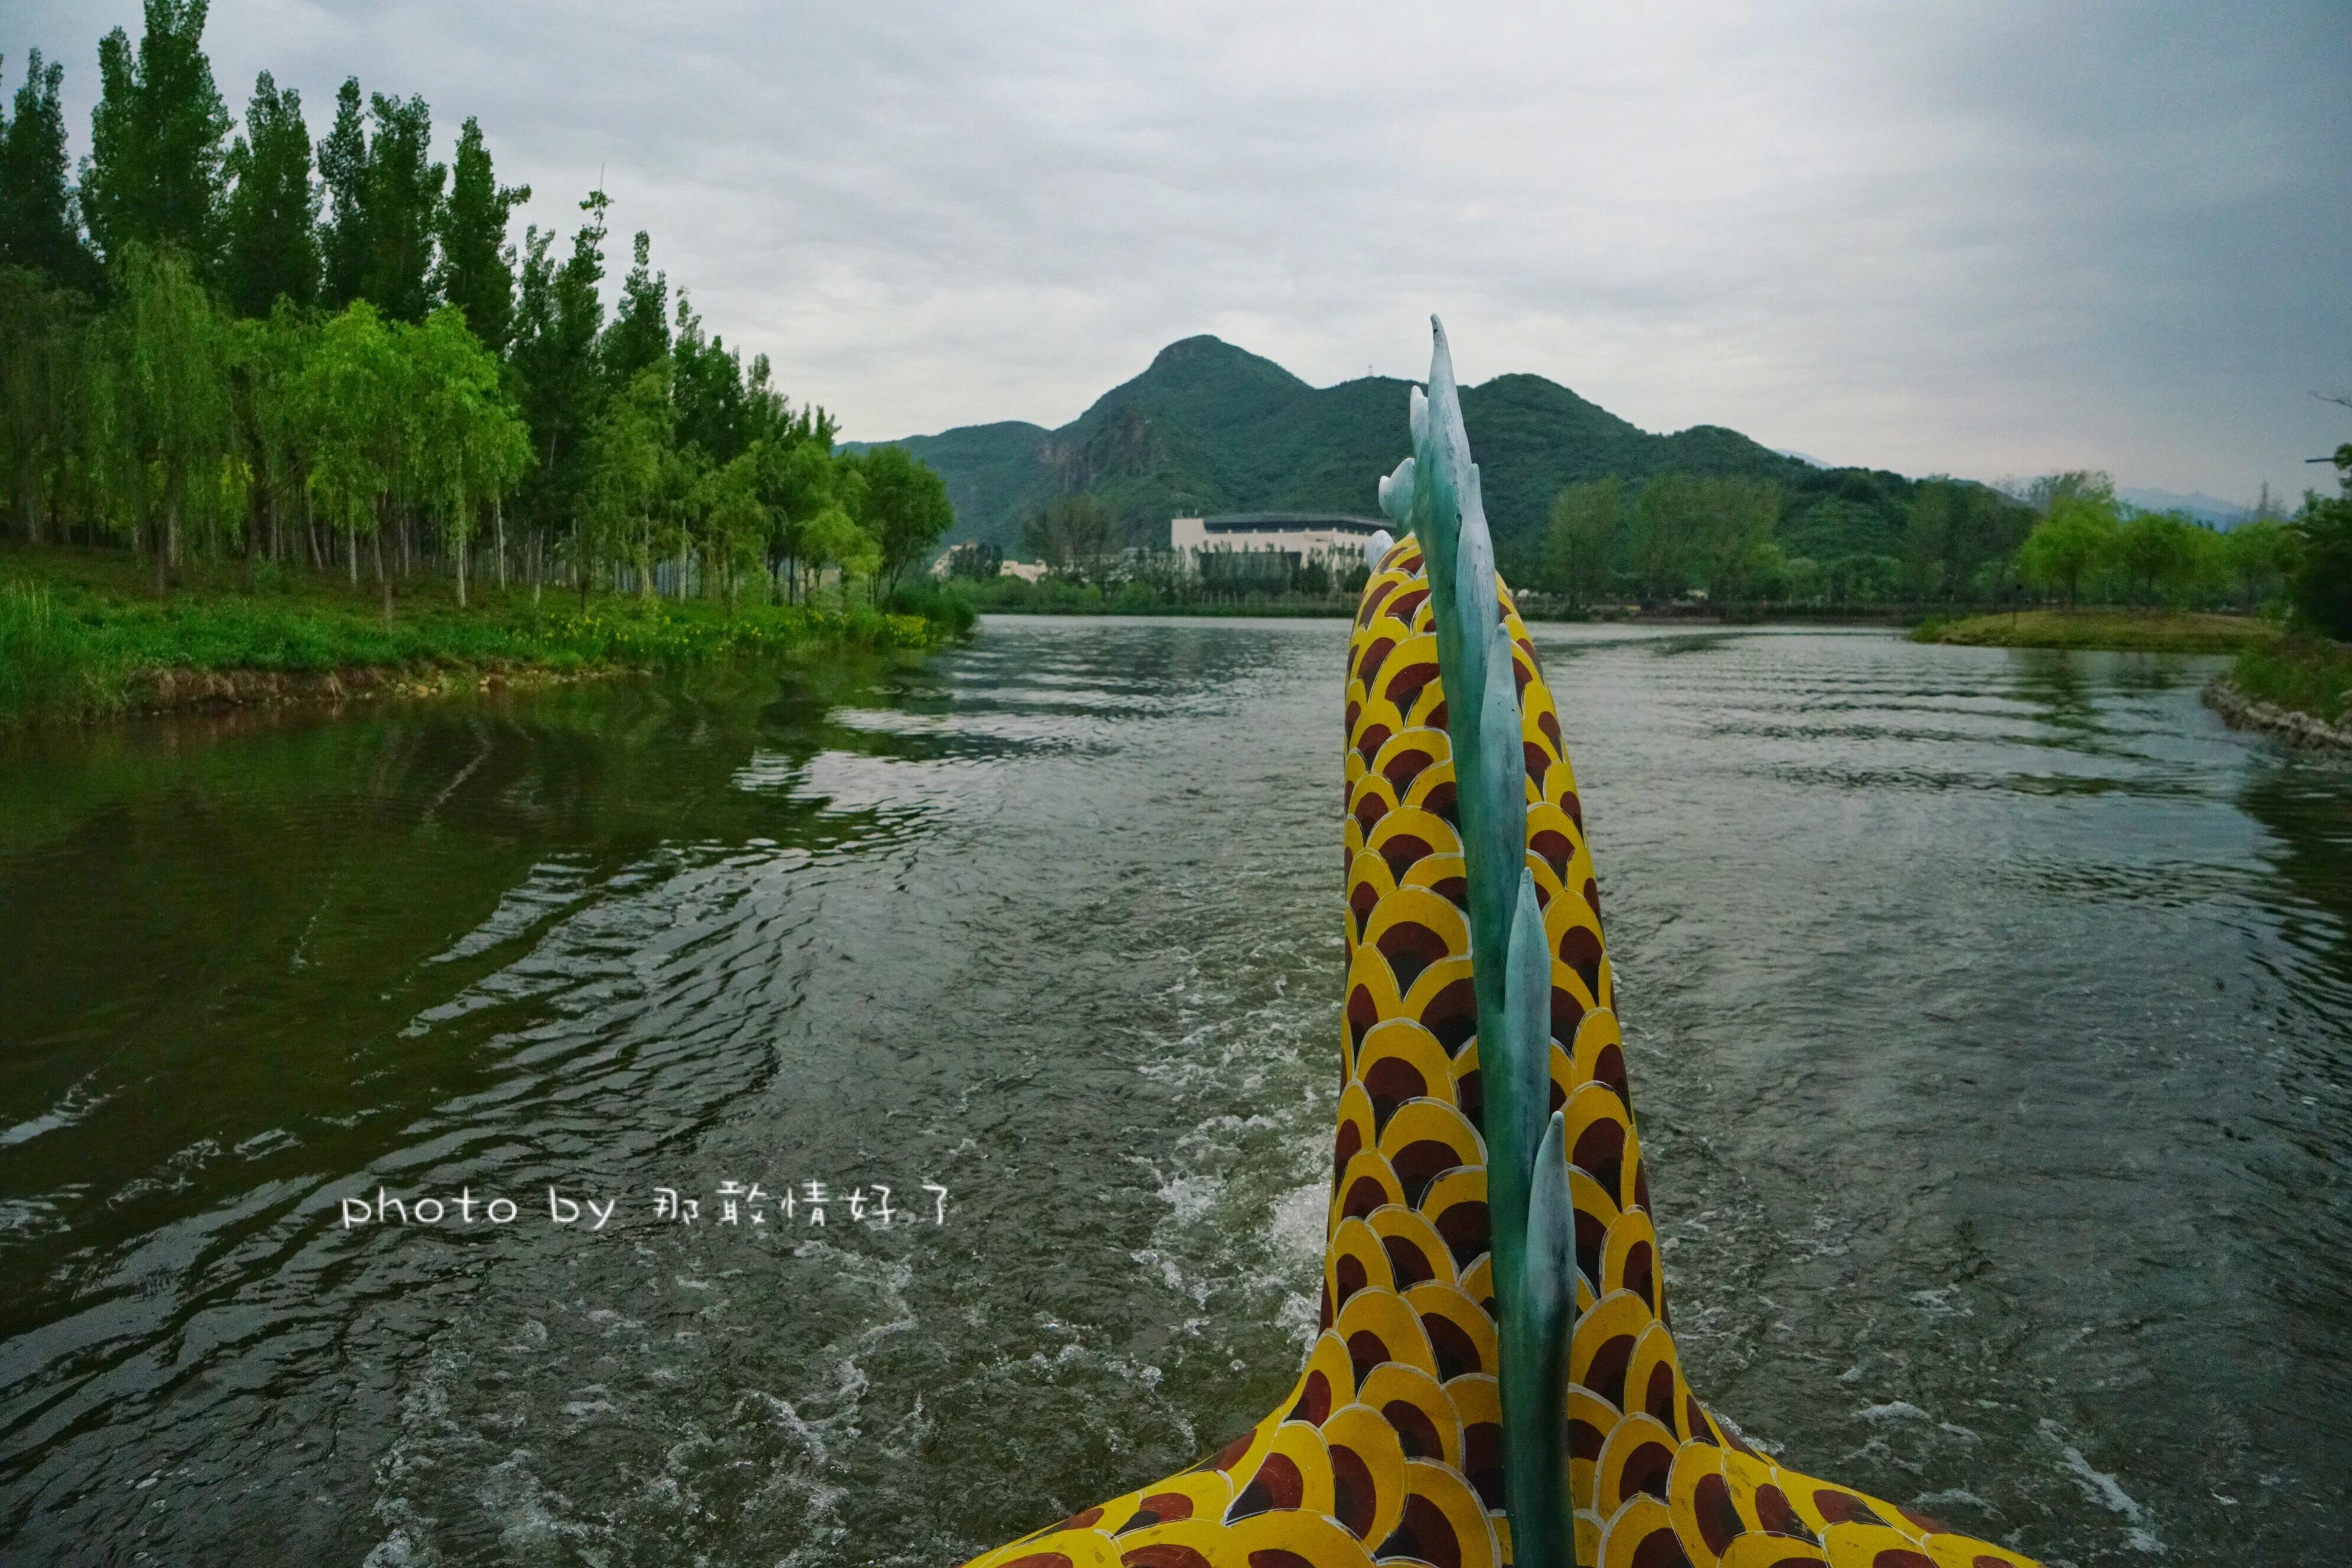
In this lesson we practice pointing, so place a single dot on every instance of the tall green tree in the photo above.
(797, 479)
(41, 375)
(559, 318)
(2259, 555)
(2161, 554)
(833, 538)
(268, 355)
(1737, 553)
(736, 523)
(270, 243)
(1933, 548)
(402, 211)
(640, 331)
(717, 409)
(1582, 533)
(2073, 541)
(1667, 535)
(468, 446)
(682, 505)
(477, 273)
(343, 170)
(627, 445)
(1076, 535)
(906, 511)
(356, 390)
(158, 138)
(164, 398)
(38, 229)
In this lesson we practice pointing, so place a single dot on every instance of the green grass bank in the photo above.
(2107, 630)
(83, 636)
(2310, 676)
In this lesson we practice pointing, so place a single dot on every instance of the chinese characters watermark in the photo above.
(803, 1206)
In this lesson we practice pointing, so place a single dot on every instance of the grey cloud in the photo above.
(1971, 238)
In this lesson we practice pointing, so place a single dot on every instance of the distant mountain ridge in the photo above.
(2221, 514)
(1209, 428)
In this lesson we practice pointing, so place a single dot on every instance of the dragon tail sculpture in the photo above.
(1495, 1380)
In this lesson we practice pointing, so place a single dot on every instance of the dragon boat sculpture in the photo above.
(1495, 1380)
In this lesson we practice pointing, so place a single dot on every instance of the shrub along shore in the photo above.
(80, 637)
(2297, 687)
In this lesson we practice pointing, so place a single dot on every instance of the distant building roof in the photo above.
(1270, 521)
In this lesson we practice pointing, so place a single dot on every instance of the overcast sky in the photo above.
(1974, 237)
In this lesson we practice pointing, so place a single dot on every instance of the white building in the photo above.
(1335, 540)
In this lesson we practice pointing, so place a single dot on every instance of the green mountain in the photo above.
(1210, 428)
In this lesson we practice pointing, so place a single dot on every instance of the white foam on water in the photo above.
(24, 1218)
(1298, 1226)
(76, 1103)
(515, 1498)
(1191, 1198)
(397, 1551)
(1942, 1303)
(1894, 1410)
(2101, 1488)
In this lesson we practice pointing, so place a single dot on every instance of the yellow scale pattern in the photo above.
(1388, 1450)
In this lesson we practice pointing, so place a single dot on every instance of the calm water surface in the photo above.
(1990, 1018)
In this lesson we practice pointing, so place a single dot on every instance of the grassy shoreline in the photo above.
(2296, 687)
(2310, 676)
(2104, 630)
(82, 637)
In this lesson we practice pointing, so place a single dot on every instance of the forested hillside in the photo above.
(1211, 428)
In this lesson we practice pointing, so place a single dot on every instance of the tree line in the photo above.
(233, 341)
(2062, 537)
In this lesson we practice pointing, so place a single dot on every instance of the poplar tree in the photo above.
(160, 418)
(42, 376)
(37, 227)
(342, 169)
(627, 445)
(468, 446)
(736, 523)
(271, 241)
(639, 336)
(559, 315)
(798, 481)
(717, 410)
(156, 139)
(477, 263)
(402, 209)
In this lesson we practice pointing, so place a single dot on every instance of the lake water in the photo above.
(1989, 1016)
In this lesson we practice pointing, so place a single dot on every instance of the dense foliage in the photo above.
(2322, 538)
(1846, 537)
(252, 347)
